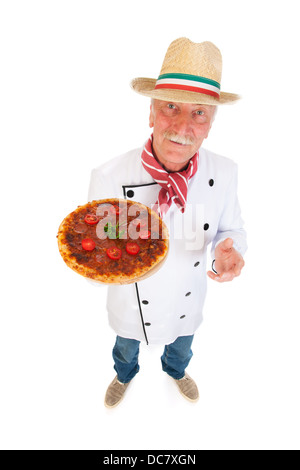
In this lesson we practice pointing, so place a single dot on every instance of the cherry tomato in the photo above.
(132, 248)
(145, 234)
(91, 219)
(140, 223)
(88, 244)
(114, 253)
(115, 210)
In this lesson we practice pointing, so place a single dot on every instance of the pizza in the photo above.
(113, 241)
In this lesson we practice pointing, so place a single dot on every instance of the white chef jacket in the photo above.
(169, 303)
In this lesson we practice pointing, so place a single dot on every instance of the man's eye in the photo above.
(199, 113)
(171, 106)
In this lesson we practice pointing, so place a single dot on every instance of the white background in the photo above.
(66, 107)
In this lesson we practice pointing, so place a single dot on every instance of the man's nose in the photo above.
(182, 124)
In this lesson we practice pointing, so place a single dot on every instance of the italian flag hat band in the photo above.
(181, 81)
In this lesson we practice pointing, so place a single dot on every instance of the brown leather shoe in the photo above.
(188, 388)
(115, 393)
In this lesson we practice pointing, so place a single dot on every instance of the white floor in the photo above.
(56, 365)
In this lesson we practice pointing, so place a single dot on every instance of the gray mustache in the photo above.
(179, 139)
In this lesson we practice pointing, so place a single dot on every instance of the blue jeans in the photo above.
(174, 360)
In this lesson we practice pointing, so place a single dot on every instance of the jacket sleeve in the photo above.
(231, 222)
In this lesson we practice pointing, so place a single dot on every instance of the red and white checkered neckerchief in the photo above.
(174, 186)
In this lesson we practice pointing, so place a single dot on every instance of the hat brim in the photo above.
(146, 87)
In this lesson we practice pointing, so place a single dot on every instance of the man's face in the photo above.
(178, 131)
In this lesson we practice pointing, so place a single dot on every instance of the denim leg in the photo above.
(177, 356)
(125, 354)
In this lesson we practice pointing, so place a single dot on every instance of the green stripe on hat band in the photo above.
(184, 76)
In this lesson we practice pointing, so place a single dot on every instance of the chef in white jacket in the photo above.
(195, 192)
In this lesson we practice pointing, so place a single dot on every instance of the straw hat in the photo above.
(191, 73)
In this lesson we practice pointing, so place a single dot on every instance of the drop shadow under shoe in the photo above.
(115, 393)
(188, 388)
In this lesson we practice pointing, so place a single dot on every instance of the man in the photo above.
(188, 186)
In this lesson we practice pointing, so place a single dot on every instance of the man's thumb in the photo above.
(227, 244)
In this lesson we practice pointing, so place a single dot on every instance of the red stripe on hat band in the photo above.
(188, 88)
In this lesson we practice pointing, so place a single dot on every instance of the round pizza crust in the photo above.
(140, 272)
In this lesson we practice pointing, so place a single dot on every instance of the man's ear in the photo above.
(151, 117)
(212, 120)
(207, 134)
